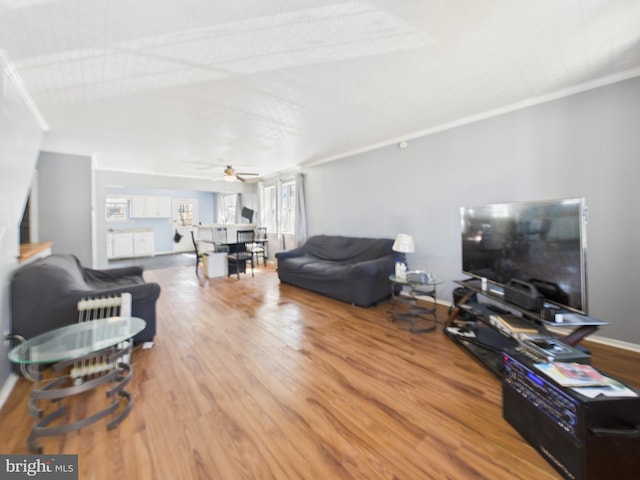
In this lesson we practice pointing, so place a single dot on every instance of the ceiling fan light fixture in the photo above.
(230, 175)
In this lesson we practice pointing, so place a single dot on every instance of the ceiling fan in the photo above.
(230, 175)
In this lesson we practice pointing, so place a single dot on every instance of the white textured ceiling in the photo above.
(188, 86)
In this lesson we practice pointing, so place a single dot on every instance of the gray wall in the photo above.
(20, 140)
(65, 204)
(586, 145)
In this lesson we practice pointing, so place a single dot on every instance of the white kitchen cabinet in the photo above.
(163, 207)
(109, 245)
(142, 244)
(122, 245)
(138, 207)
(150, 207)
(129, 243)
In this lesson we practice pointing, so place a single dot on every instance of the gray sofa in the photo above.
(45, 294)
(351, 269)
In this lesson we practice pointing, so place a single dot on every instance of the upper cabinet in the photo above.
(150, 207)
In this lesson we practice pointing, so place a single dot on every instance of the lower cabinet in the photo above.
(142, 244)
(122, 245)
(129, 244)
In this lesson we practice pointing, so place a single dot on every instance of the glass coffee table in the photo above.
(82, 356)
(407, 291)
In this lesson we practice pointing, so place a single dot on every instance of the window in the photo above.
(279, 205)
(228, 209)
(185, 213)
(116, 209)
(288, 207)
(270, 211)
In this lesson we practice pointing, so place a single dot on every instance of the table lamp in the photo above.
(403, 245)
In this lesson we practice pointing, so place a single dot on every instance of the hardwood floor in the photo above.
(252, 379)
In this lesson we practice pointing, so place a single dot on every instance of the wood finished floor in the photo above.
(251, 379)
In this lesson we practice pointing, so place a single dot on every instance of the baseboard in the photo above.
(611, 342)
(7, 388)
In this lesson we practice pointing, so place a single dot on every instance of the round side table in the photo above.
(405, 294)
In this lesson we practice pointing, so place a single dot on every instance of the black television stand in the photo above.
(486, 342)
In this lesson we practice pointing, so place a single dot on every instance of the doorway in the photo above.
(185, 218)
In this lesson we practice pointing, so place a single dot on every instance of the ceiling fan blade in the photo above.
(230, 174)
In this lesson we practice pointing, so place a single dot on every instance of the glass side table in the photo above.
(405, 294)
(82, 356)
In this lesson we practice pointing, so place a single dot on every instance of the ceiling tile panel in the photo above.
(155, 86)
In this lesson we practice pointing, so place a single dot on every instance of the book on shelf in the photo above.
(513, 325)
(573, 374)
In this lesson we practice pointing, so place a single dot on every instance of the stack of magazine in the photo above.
(573, 374)
(584, 379)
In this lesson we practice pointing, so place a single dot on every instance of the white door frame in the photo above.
(183, 224)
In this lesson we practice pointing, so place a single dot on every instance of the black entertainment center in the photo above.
(486, 342)
(526, 260)
(527, 264)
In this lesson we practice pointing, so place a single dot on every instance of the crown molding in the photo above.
(14, 77)
(562, 93)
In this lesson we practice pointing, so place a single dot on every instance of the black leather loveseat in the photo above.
(45, 294)
(351, 269)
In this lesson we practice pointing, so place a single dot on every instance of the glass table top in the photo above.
(76, 340)
(417, 277)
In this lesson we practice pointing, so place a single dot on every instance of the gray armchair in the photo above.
(45, 294)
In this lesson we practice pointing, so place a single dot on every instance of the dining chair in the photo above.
(220, 239)
(199, 255)
(241, 255)
(258, 248)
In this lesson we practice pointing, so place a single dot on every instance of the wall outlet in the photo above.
(5, 335)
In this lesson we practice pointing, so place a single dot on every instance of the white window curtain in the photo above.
(281, 239)
(287, 207)
(270, 208)
(261, 206)
(220, 208)
(301, 211)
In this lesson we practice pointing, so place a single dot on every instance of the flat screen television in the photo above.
(542, 243)
(247, 213)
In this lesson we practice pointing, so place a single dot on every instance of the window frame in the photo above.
(288, 207)
(121, 204)
(229, 209)
(271, 208)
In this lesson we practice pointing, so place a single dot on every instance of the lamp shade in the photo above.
(403, 243)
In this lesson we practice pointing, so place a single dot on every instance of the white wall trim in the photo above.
(7, 388)
(611, 342)
(565, 92)
(15, 78)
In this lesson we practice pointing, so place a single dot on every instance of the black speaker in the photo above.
(582, 438)
(523, 294)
